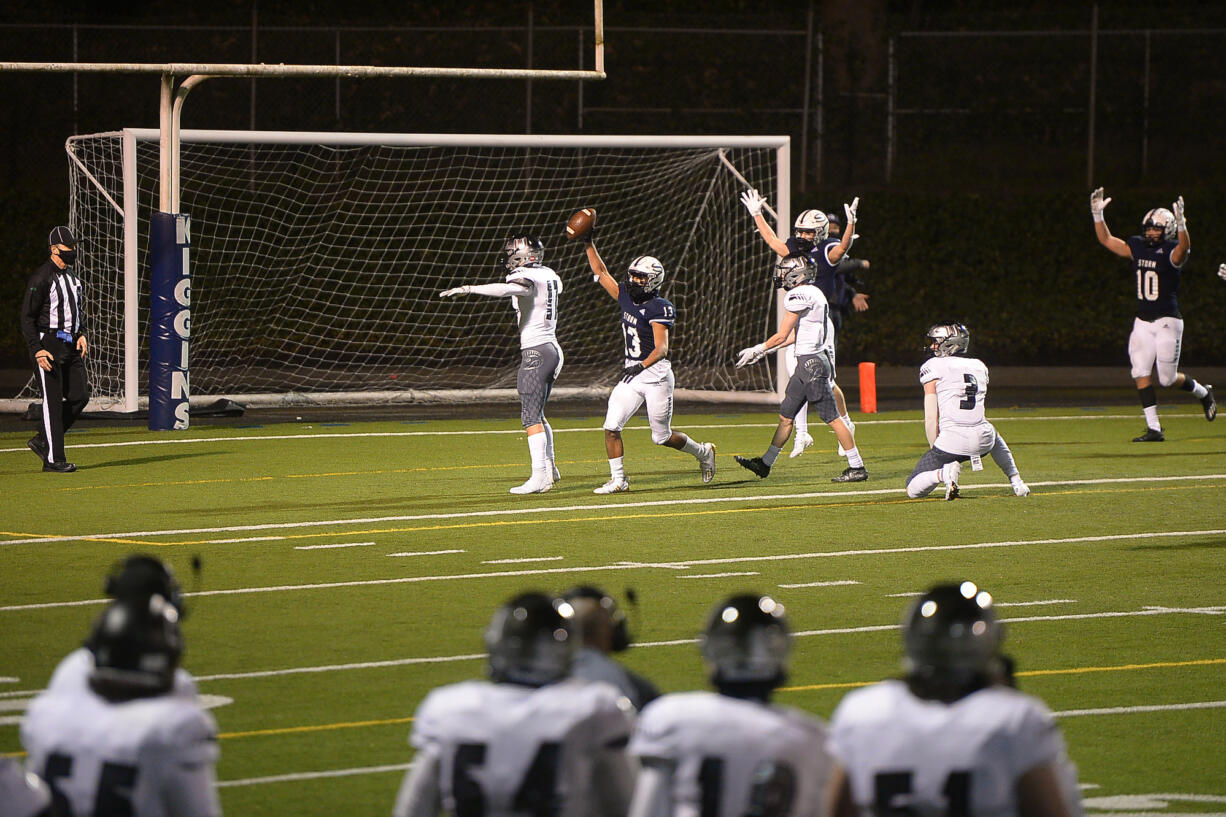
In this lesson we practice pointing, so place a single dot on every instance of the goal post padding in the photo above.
(317, 258)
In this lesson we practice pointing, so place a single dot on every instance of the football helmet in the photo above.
(951, 641)
(1162, 219)
(524, 250)
(813, 221)
(793, 270)
(530, 640)
(835, 221)
(140, 576)
(605, 603)
(649, 267)
(136, 644)
(746, 642)
(945, 339)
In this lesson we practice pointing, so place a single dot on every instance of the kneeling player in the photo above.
(806, 322)
(955, 388)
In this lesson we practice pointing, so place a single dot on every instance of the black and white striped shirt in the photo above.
(53, 303)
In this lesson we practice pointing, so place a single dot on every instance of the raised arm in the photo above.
(510, 288)
(835, 253)
(1116, 245)
(600, 273)
(1180, 253)
(753, 202)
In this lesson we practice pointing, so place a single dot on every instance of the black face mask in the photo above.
(69, 257)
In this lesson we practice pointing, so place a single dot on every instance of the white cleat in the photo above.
(843, 452)
(803, 440)
(950, 472)
(707, 461)
(613, 486)
(1020, 488)
(539, 484)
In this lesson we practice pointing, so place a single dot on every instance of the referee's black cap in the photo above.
(62, 235)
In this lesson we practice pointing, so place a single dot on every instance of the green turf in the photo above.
(416, 488)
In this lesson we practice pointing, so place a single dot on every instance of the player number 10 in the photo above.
(1147, 285)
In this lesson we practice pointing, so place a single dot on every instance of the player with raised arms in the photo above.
(647, 319)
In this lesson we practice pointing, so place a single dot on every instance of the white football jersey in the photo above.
(814, 331)
(149, 756)
(536, 312)
(716, 743)
(21, 794)
(962, 388)
(905, 754)
(508, 746)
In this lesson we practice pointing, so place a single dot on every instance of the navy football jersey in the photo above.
(637, 320)
(1157, 279)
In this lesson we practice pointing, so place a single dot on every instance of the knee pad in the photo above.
(660, 439)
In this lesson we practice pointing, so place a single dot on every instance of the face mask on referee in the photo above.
(69, 257)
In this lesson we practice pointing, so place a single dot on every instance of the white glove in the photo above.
(451, 293)
(1221, 271)
(751, 355)
(1098, 204)
(1181, 223)
(753, 201)
(850, 211)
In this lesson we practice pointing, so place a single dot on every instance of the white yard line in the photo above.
(818, 584)
(297, 776)
(715, 575)
(597, 506)
(524, 560)
(334, 545)
(428, 552)
(679, 565)
(1129, 710)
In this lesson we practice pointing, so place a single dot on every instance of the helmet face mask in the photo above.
(644, 278)
(793, 270)
(530, 640)
(812, 226)
(746, 643)
(522, 251)
(1162, 220)
(947, 339)
(951, 640)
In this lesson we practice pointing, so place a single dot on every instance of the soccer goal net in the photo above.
(317, 258)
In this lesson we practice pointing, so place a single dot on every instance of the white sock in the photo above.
(1015, 479)
(853, 458)
(536, 447)
(548, 439)
(1198, 391)
(802, 420)
(692, 448)
(1151, 417)
(772, 454)
(616, 470)
(847, 421)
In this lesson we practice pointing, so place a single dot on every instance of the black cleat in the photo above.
(1150, 436)
(39, 447)
(59, 467)
(754, 464)
(1210, 404)
(852, 475)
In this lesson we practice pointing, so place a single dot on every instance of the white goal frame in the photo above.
(129, 206)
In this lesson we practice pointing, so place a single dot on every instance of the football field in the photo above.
(348, 568)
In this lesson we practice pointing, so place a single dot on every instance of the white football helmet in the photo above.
(647, 266)
(1163, 219)
(793, 270)
(945, 339)
(522, 251)
(814, 221)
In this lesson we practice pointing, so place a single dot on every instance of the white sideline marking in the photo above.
(660, 503)
(523, 561)
(247, 539)
(426, 552)
(819, 584)
(716, 575)
(8, 680)
(494, 431)
(1128, 710)
(334, 545)
(680, 565)
(291, 778)
(1033, 603)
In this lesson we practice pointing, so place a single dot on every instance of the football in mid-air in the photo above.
(581, 223)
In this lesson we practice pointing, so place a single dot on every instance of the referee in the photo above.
(52, 326)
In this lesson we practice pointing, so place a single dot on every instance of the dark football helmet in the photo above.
(835, 221)
(617, 619)
(530, 640)
(951, 640)
(945, 339)
(140, 576)
(1162, 219)
(793, 270)
(523, 250)
(649, 268)
(136, 645)
(746, 643)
